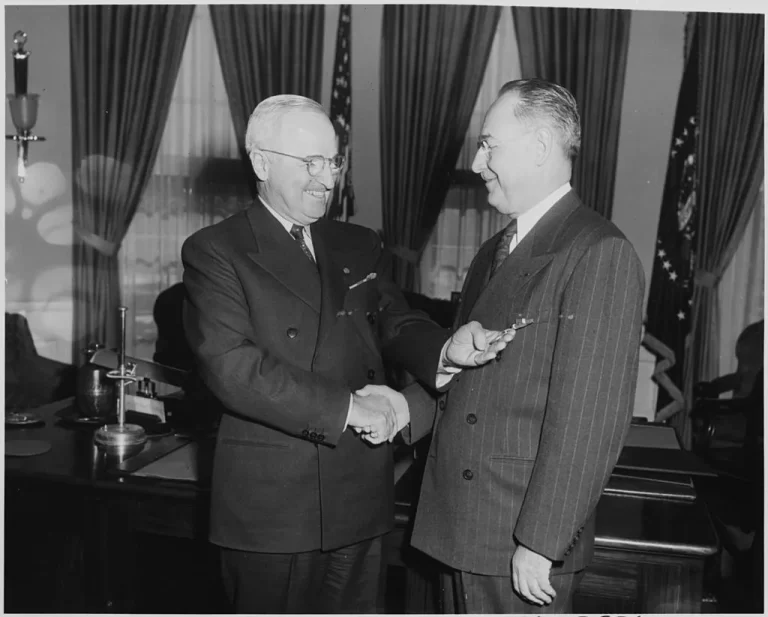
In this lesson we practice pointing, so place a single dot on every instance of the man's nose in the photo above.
(326, 178)
(478, 163)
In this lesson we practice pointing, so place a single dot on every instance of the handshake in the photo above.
(378, 413)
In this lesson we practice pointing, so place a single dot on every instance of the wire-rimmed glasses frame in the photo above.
(316, 163)
(487, 148)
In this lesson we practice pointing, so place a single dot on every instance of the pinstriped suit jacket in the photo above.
(523, 447)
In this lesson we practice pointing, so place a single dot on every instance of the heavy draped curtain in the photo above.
(730, 167)
(584, 50)
(124, 64)
(267, 50)
(433, 60)
(197, 180)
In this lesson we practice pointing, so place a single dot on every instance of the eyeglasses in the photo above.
(316, 163)
(484, 147)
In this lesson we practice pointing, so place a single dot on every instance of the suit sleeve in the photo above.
(409, 337)
(591, 396)
(421, 407)
(247, 377)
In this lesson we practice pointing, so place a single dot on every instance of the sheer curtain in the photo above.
(466, 220)
(741, 290)
(197, 180)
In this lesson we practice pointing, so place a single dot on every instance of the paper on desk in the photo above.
(181, 464)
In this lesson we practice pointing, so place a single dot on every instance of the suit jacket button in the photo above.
(441, 404)
(313, 435)
(468, 475)
(371, 374)
(292, 332)
(305, 433)
(321, 437)
(371, 318)
(471, 418)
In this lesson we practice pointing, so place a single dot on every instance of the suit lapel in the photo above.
(477, 279)
(535, 251)
(281, 256)
(332, 281)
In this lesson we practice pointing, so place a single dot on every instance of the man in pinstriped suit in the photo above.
(523, 447)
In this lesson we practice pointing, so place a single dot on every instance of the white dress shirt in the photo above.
(288, 225)
(527, 220)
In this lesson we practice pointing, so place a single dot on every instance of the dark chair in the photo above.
(721, 427)
(171, 348)
(30, 379)
(728, 434)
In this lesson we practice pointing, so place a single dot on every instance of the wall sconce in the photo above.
(23, 105)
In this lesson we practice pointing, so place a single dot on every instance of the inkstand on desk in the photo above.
(121, 439)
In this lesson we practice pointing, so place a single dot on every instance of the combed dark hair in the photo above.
(541, 99)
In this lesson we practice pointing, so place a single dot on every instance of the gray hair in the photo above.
(267, 114)
(544, 100)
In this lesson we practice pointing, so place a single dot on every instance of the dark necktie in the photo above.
(502, 248)
(297, 231)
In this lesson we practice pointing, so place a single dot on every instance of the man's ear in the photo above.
(544, 142)
(260, 165)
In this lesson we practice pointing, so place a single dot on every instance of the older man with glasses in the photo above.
(287, 314)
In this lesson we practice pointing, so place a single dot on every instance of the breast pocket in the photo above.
(362, 309)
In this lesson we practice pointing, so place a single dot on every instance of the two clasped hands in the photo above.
(378, 413)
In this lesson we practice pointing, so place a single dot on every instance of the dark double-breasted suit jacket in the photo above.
(281, 346)
(523, 447)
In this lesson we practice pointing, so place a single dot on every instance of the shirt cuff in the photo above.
(349, 412)
(444, 372)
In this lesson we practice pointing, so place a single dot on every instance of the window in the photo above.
(466, 220)
(198, 180)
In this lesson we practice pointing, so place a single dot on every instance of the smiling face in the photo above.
(287, 186)
(507, 160)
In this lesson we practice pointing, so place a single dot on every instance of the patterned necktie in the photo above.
(502, 248)
(297, 231)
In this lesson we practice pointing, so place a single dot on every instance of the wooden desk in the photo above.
(82, 538)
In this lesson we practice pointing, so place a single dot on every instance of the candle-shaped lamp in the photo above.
(23, 105)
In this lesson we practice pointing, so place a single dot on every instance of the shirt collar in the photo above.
(280, 218)
(528, 219)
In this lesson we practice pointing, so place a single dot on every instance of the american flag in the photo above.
(343, 199)
(671, 294)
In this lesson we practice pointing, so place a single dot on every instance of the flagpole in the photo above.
(342, 200)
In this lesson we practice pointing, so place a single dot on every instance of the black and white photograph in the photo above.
(384, 308)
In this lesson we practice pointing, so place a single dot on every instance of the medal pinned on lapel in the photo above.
(370, 277)
(520, 322)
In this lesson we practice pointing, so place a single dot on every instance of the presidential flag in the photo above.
(343, 198)
(670, 299)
